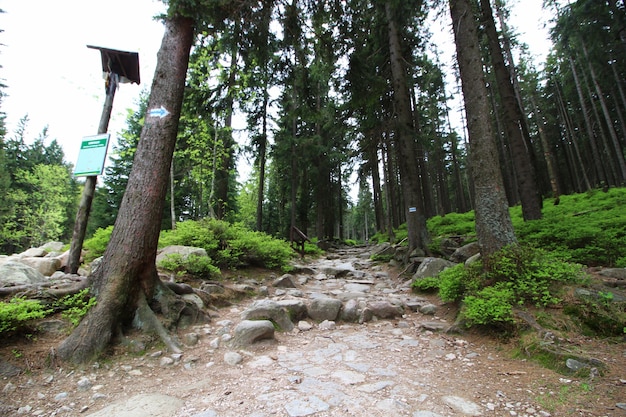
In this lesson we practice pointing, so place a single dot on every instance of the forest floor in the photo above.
(397, 367)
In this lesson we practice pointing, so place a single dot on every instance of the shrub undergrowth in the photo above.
(515, 276)
(18, 312)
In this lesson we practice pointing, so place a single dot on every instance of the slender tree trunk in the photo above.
(127, 279)
(573, 141)
(227, 157)
(599, 167)
(513, 120)
(604, 147)
(172, 203)
(261, 160)
(493, 222)
(547, 153)
(406, 150)
(378, 204)
(619, 152)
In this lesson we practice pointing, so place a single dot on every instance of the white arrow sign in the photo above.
(160, 112)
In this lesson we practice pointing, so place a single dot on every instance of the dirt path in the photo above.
(394, 367)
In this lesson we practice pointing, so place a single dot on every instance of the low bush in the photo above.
(76, 306)
(230, 245)
(514, 277)
(18, 312)
(194, 265)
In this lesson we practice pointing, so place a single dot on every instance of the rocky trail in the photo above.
(347, 338)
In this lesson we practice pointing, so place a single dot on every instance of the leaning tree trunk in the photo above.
(493, 222)
(127, 282)
(513, 120)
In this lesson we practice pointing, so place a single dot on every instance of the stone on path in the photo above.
(285, 281)
(430, 267)
(384, 309)
(153, 405)
(269, 310)
(306, 406)
(250, 331)
(462, 405)
(325, 308)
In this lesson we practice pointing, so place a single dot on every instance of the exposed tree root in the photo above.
(146, 320)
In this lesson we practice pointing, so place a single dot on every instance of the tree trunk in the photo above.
(493, 222)
(262, 159)
(547, 153)
(406, 147)
(513, 120)
(127, 281)
(619, 153)
(592, 138)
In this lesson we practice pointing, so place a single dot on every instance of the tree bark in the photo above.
(493, 222)
(406, 147)
(513, 120)
(127, 278)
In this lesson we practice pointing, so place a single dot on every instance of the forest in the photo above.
(331, 91)
(335, 91)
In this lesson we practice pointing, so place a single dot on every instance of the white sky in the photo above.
(54, 78)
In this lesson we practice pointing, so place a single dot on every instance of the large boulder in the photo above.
(465, 252)
(269, 310)
(46, 266)
(183, 251)
(250, 331)
(430, 267)
(33, 253)
(14, 273)
(324, 308)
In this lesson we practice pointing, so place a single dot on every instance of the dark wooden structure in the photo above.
(297, 239)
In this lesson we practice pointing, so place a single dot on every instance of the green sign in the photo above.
(93, 152)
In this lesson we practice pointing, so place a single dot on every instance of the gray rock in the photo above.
(465, 252)
(153, 405)
(358, 288)
(400, 253)
(434, 326)
(326, 308)
(431, 267)
(617, 273)
(384, 309)
(472, 259)
(233, 358)
(53, 247)
(305, 406)
(269, 310)
(191, 339)
(327, 325)
(46, 266)
(350, 311)
(250, 331)
(194, 299)
(183, 251)
(33, 253)
(84, 384)
(14, 273)
(8, 370)
(462, 405)
(304, 325)
(383, 249)
(285, 281)
(428, 309)
(336, 272)
(296, 309)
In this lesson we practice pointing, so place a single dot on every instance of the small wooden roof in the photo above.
(123, 63)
